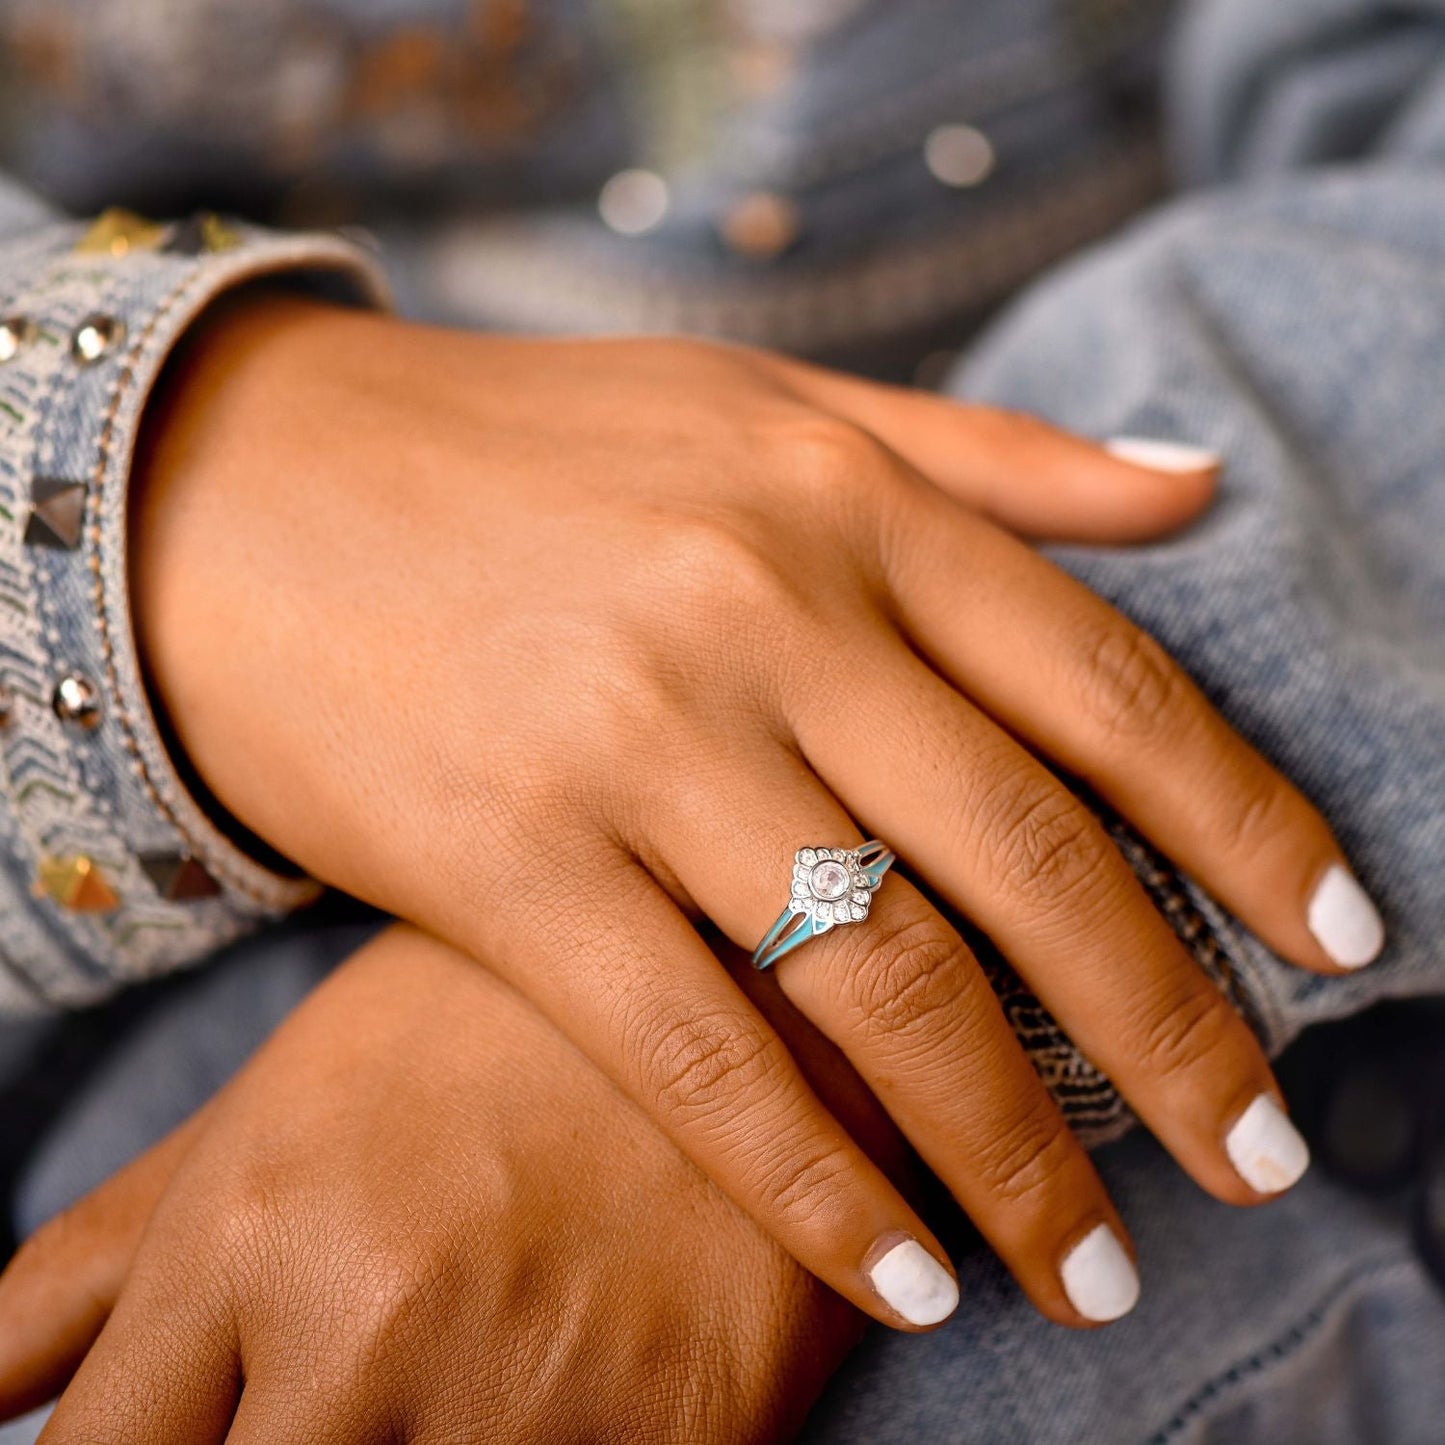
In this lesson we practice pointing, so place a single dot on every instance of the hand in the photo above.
(420, 1214)
(553, 646)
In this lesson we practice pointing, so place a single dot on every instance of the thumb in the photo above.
(60, 1288)
(1038, 481)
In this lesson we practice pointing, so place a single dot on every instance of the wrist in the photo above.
(212, 496)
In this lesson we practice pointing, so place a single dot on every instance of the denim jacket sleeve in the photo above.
(1255, 91)
(110, 871)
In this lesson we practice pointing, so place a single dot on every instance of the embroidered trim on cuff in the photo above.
(127, 876)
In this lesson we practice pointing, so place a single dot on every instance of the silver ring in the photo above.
(831, 887)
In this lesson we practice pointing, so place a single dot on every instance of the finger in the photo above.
(901, 994)
(1031, 477)
(164, 1370)
(292, 1414)
(1003, 840)
(59, 1289)
(679, 1036)
(1058, 666)
(827, 1069)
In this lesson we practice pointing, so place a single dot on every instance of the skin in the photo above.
(415, 1197)
(653, 614)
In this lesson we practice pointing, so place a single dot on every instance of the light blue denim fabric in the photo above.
(101, 790)
(1299, 326)
(479, 153)
(1302, 331)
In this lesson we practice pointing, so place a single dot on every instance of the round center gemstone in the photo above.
(829, 880)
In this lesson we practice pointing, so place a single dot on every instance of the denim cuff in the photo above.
(110, 871)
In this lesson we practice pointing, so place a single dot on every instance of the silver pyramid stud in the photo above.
(57, 509)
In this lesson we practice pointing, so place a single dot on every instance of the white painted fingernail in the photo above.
(1344, 921)
(1099, 1277)
(1267, 1150)
(909, 1280)
(1162, 456)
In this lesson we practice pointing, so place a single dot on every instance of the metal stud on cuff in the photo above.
(57, 511)
(76, 883)
(117, 232)
(94, 337)
(178, 877)
(15, 332)
(76, 701)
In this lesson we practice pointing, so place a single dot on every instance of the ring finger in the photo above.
(901, 994)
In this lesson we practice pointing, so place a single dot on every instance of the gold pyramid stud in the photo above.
(76, 883)
(118, 232)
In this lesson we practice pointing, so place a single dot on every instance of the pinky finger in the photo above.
(59, 1289)
(164, 1371)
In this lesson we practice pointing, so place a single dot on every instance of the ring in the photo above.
(831, 886)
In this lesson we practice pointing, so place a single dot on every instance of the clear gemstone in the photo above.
(829, 880)
(807, 856)
(800, 887)
(841, 913)
(862, 896)
(859, 911)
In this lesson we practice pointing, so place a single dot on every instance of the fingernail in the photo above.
(1162, 456)
(1099, 1277)
(1344, 921)
(1267, 1150)
(910, 1281)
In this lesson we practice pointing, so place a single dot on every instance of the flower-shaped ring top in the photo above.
(831, 886)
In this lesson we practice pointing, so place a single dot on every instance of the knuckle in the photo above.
(702, 1067)
(257, 1206)
(1177, 1038)
(1047, 844)
(803, 1185)
(709, 558)
(908, 977)
(827, 455)
(1021, 1164)
(1258, 815)
(1132, 688)
(384, 1302)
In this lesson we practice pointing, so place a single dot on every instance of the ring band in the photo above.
(831, 887)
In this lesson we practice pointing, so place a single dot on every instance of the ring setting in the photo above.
(831, 887)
